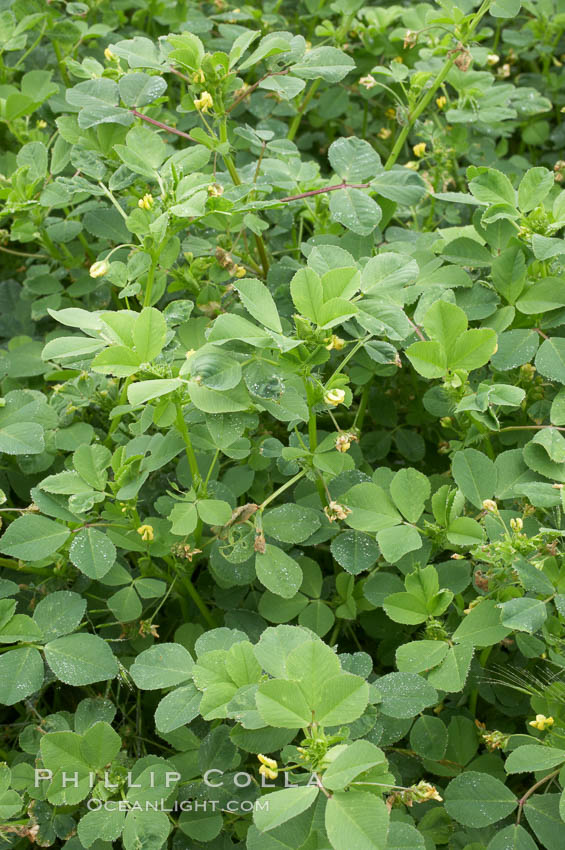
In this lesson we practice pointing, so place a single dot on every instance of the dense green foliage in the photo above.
(282, 364)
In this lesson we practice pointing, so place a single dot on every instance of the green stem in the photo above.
(483, 658)
(149, 286)
(362, 409)
(199, 602)
(295, 124)
(426, 99)
(191, 457)
(230, 165)
(117, 419)
(281, 489)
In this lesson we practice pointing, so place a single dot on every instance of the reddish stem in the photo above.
(162, 126)
(322, 191)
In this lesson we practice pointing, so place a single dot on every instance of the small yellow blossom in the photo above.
(391, 113)
(108, 55)
(215, 190)
(334, 397)
(385, 133)
(204, 103)
(146, 532)
(269, 767)
(412, 165)
(516, 524)
(146, 202)
(493, 59)
(542, 722)
(189, 353)
(239, 271)
(335, 511)
(368, 82)
(343, 443)
(198, 76)
(504, 71)
(457, 557)
(336, 343)
(41, 125)
(419, 149)
(99, 269)
(490, 506)
(441, 101)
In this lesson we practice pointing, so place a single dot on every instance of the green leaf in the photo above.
(141, 89)
(473, 349)
(512, 838)
(492, 187)
(341, 699)
(32, 538)
(177, 708)
(59, 613)
(405, 694)
(475, 475)
(355, 210)
(524, 614)
(117, 360)
(278, 572)
(542, 814)
(145, 830)
(420, 655)
(482, 625)
(100, 825)
(307, 294)
(354, 160)
(465, 531)
(259, 302)
(21, 674)
(93, 553)
(371, 508)
(477, 799)
(355, 759)
(428, 358)
(149, 332)
(162, 666)
(550, 359)
(329, 63)
(23, 438)
(143, 391)
(532, 757)
(81, 659)
(396, 542)
(428, 737)
(282, 703)
(356, 819)
(354, 551)
(452, 673)
(283, 806)
(410, 490)
(291, 523)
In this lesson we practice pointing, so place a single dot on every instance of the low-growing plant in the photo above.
(283, 394)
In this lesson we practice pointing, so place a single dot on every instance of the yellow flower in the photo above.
(336, 343)
(493, 59)
(490, 506)
(334, 397)
(391, 112)
(342, 443)
(368, 82)
(198, 76)
(146, 202)
(204, 103)
(441, 101)
(269, 767)
(146, 532)
(99, 269)
(412, 165)
(239, 271)
(516, 524)
(108, 55)
(41, 125)
(419, 149)
(542, 722)
(215, 190)
(385, 133)
(266, 771)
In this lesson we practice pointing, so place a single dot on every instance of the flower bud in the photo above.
(99, 269)
(334, 397)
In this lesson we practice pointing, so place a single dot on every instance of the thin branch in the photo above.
(250, 89)
(523, 800)
(322, 191)
(162, 126)
(173, 70)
